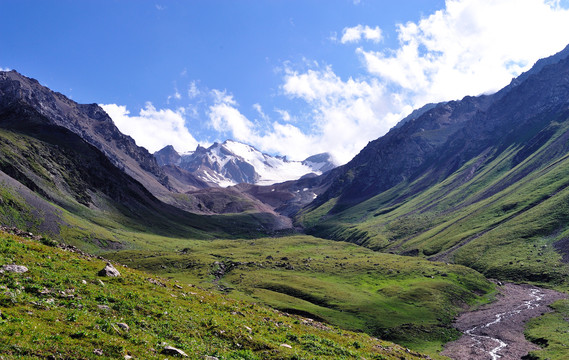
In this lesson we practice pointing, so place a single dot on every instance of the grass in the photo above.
(13, 209)
(408, 301)
(551, 332)
(61, 308)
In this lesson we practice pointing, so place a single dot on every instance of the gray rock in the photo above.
(170, 350)
(207, 357)
(20, 269)
(109, 270)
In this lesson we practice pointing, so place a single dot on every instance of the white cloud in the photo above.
(345, 115)
(176, 95)
(470, 47)
(226, 119)
(4, 69)
(152, 128)
(259, 109)
(357, 33)
(285, 115)
(193, 90)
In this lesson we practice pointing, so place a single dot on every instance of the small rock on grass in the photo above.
(98, 352)
(207, 357)
(19, 269)
(170, 350)
(123, 326)
(286, 346)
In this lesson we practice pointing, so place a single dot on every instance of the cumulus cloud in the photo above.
(226, 119)
(357, 33)
(152, 128)
(345, 115)
(470, 47)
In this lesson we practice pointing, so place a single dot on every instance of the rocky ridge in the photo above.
(89, 121)
(232, 162)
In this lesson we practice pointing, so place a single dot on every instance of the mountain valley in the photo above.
(394, 245)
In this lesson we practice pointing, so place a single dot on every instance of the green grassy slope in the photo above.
(61, 308)
(409, 301)
(551, 332)
(501, 213)
(69, 182)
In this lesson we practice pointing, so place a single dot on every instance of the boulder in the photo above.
(109, 270)
(170, 350)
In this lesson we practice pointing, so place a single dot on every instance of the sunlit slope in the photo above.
(61, 308)
(503, 213)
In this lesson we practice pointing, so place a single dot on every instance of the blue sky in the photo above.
(289, 77)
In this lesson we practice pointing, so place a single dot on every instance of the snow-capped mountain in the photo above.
(232, 162)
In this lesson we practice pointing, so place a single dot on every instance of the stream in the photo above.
(496, 330)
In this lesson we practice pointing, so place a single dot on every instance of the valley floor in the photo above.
(496, 331)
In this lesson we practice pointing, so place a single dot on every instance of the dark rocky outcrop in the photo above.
(88, 121)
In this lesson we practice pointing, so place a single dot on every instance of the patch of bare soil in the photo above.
(496, 331)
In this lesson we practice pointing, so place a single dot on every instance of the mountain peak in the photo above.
(233, 162)
(167, 156)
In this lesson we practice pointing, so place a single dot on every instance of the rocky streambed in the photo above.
(496, 331)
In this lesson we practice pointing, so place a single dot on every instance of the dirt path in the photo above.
(496, 331)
